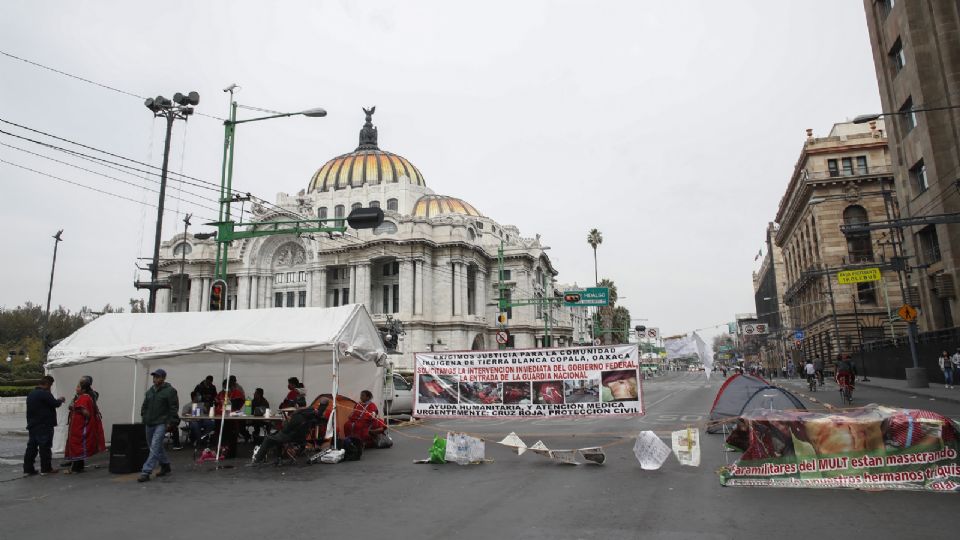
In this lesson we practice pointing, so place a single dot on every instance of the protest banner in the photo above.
(575, 381)
(873, 447)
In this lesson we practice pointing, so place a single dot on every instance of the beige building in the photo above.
(769, 284)
(916, 52)
(844, 177)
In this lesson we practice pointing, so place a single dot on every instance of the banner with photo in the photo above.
(574, 381)
(873, 447)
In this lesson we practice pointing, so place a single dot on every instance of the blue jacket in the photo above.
(41, 409)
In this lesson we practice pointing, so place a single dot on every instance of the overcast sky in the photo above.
(672, 127)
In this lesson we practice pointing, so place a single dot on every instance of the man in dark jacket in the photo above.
(160, 408)
(41, 419)
(207, 391)
(295, 429)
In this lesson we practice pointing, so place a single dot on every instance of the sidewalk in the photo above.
(936, 391)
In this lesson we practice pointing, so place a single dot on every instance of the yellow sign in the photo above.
(858, 276)
(907, 313)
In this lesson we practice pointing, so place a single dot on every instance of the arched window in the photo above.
(374, 204)
(392, 204)
(182, 249)
(355, 206)
(338, 211)
(473, 235)
(859, 247)
(387, 227)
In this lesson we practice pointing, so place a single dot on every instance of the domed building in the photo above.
(432, 264)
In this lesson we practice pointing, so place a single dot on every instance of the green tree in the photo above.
(595, 238)
(607, 312)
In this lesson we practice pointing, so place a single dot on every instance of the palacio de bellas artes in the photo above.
(432, 264)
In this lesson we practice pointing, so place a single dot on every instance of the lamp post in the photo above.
(183, 259)
(226, 183)
(46, 317)
(864, 118)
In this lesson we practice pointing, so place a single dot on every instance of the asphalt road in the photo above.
(385, 495)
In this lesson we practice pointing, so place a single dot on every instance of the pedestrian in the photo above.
(85, 428)
(956, 365)
(818, 366)
(946, 366)
(41, 419)
(159, 409)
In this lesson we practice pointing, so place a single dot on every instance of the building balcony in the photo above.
(849, 173)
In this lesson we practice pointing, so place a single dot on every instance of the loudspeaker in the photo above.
(128, 448)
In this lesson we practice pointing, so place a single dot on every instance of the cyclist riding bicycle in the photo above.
(810, 370)
(818, 365)
(846, 374)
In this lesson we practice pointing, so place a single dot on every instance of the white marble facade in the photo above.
(432, 264)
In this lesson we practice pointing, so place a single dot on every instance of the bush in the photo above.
(14, 391)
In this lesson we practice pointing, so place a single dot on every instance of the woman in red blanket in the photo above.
(364, 424)
(85, 436)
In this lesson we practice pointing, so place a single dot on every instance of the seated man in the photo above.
(197, 427)
(294, 430)
(258, 407)
(363, 423)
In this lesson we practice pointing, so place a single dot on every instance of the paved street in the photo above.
(513, 497)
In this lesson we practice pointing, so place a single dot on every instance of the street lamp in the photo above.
(46, 318)
(864, 118)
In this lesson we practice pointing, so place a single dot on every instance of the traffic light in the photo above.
(571, 298)
(640, 328)
(502, 318)
(365, 218)
(218, 295)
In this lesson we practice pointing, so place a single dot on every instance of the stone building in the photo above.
(769, 284)
(433, 264)
(842, 178)
(916, 53)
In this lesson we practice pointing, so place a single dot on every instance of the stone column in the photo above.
(455, 300)
(464, 297)
(418, 293)
(480, 295)
(406, 289)
(254, 292)
(429, 291)
(320, 288)
(205, 295)
(353, 285)
(267, 282)
(309, 275)
(243, 295)
(196, 288)
(363, 287)
(163, 300)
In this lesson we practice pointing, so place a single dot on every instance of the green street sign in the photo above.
(592, 296)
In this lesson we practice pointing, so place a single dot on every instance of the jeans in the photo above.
(948, 375)
(155, 442)
(199, 427)
(40, 441)
(270, 442)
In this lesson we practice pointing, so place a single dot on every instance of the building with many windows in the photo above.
(843, 178)
(433, 264)
(916, 53)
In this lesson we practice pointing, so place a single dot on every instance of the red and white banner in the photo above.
(575, 381)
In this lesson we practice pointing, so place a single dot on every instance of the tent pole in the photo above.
(336, 385)
(303, 370)
(223, 411)
(133, 406)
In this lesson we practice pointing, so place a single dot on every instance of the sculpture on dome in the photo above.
(368, 134)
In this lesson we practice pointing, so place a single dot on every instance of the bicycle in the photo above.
(846, 391)
(812, 382)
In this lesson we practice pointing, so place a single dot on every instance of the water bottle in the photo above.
(247, 408)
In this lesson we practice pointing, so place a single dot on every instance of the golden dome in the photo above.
(438, 205)
(365, 165)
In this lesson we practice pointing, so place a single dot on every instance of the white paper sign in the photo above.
(593, 455)
(515, 442)
(651, 452)
(540, 448)
(568, 457)
(686, 446)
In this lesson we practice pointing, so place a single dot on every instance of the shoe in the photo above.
(164, 469)
(143, 478)
(30, 473)
(179, 447)
(51, 471)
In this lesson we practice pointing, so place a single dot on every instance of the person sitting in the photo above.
(296, 395)
(258, 407)
(207, 392)
(294, 430)
(198, 428)
(233, 392)
(363, 423)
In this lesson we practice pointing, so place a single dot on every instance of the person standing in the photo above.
(946, 366)
(159, 409)
(41, 419)
(85, 428)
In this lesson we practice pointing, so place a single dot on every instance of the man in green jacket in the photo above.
(160, 406)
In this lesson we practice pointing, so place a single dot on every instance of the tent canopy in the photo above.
(743, 393)
(263, 346)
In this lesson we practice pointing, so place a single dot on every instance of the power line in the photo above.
(78, 184)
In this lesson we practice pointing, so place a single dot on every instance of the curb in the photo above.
(912, 392)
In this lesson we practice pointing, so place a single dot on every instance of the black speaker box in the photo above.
(128, 448)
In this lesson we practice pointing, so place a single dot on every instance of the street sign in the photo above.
(653, 333)
(751, 329)
(798, 335)
(907, 313)
(596, 341)
(591, 296)
(858, 276)
(502, 337)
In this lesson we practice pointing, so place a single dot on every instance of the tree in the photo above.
(136, 305)
(595, 238)
(607, 312)
(621, 324)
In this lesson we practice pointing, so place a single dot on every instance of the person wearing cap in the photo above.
(160, 405)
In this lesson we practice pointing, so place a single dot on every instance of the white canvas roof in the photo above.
(144, 336)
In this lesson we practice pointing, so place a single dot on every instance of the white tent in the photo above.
(262, 347)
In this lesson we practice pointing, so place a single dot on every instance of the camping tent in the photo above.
(262, 347)
(744, 393)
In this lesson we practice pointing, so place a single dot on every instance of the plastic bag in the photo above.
(382, 440)
(438, 450)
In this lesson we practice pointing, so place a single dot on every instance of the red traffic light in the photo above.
(571, 298)
(218, 294)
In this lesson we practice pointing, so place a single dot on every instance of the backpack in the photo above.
(352, 448)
